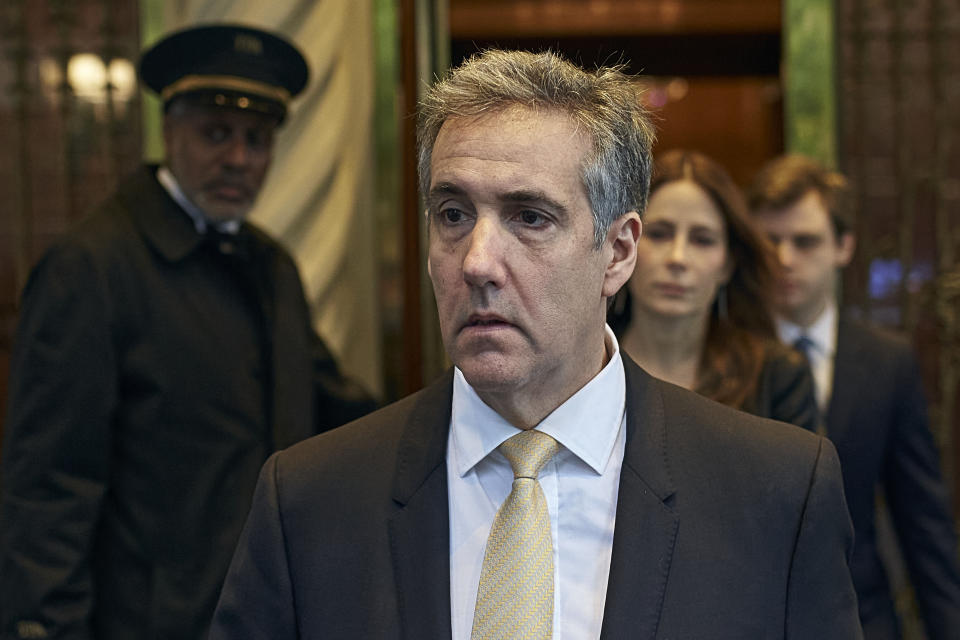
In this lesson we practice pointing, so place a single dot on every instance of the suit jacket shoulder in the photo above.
(728, 526)
(406, 439)
(705, 488)
(353, 522)
(701, 430)
(880, 346)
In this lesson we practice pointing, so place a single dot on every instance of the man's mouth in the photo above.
(229, 191)
(789, 285)
(481, 321)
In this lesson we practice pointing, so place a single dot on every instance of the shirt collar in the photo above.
(586, 424)
(200, 221)
(822, 333)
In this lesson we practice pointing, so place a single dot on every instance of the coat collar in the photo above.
(423, 445)
(161, 221)
(644, 537)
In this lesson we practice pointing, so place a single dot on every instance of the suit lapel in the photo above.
(166, 227)
(420, 531)
(644, 537)
(848, 375)
(646, 527)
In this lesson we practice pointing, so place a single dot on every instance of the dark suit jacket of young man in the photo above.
(148, 389)
(878, 421)
(728, 526)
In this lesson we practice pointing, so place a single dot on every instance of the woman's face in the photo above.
(682, 255)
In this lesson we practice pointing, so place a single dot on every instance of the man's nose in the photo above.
(237, 153)
(483, 262)
(785, 253)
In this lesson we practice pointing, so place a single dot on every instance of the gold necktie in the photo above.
(515, 598)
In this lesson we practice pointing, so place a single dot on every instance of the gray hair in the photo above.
(606, 103)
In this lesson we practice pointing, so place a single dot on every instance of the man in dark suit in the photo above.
(546, 487)
(164, 351)
(869, 390)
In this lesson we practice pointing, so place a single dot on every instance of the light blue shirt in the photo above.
(580, 485)
(200, 221)
(823, 347)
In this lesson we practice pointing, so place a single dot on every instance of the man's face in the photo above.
(810, 254)
(520, 286)
(218, 156)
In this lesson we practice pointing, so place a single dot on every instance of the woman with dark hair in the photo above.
(696, 312)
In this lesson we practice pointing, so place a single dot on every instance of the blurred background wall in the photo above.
(70, 127)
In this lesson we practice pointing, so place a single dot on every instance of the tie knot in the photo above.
(228, 243)
(804, 345)
(528, 451)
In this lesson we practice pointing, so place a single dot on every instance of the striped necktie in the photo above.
(515, 597)
(804, 345)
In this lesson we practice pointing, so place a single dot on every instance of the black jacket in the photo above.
(153, 373)
(877, 418)
(785, 389)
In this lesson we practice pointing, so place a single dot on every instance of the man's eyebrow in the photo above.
(534, 197)
(520, 196)
(443, 190)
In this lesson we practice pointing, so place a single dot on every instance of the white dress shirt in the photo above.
(580, 485)
(823, 338)
(167, 180)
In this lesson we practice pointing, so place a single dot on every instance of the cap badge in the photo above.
(246, 43)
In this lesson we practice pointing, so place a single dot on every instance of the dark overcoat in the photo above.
(153, 373)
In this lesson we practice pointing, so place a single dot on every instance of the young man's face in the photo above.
(520, 285)
(219, 156)
(810, 255)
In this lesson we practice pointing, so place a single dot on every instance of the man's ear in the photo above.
(622, 239)
(846, 246)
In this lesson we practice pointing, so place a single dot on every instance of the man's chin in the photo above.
(217, 209)
(789, 302)
(490, 372)
(796, 311)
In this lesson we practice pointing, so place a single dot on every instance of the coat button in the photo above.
(31, 629)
